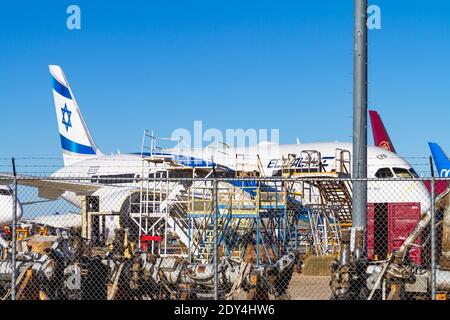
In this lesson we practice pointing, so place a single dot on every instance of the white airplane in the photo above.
(83, 159)
(7, 205)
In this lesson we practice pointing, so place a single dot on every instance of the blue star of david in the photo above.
(69, 113)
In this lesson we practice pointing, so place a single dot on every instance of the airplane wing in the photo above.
(51, 189)
(65, 221)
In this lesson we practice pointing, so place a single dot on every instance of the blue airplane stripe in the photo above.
(74, 147)
(187, 161)
(62, 90)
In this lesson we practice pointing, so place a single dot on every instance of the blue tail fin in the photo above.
(440, 159)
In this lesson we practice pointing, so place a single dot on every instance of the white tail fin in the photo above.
(76, 140)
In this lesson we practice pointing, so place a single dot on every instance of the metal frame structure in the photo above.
(265, 217)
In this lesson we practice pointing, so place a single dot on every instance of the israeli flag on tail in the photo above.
(76, 141)
(440, 159)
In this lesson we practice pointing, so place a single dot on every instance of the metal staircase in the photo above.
(328, 194)
(175, 219)
(332, 187)
(325, 230)
(337, 193)
(202, 211)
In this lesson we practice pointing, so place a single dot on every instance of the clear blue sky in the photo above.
(233, 64)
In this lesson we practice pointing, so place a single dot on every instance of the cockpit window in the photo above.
(384, 173)
(5, 192)
(413, 173)
(402, 173)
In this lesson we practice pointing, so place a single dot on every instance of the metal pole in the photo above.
(433, 241)
(359, 168)
(285, 222)
(13, 233)
(216, 244)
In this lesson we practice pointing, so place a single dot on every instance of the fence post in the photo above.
(433, 241)
(216, 244)
(13, 233)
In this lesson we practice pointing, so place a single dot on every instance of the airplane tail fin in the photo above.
(380, 135)
(76, 140)
(440, 159)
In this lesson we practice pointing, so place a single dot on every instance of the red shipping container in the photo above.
(387, 233)
(403, 218)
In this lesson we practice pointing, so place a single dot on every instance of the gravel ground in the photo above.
(304, 287)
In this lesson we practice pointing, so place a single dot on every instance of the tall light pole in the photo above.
(359, 167)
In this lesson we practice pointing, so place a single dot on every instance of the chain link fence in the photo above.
(130, 238)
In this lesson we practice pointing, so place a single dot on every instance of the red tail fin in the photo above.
(380, 135)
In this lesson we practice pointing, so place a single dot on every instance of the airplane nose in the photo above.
(19, 211)
(425, 197)
(6, 210)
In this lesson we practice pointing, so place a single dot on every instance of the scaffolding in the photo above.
(158, 209)
(257, 220)
(329, 200)
(248, 166)
(325, 230)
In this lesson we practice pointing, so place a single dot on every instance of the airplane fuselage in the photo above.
(268, 158)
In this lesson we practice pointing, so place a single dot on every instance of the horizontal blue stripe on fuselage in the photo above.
(184, 160)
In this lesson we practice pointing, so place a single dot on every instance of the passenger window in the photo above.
(384, 173)
(402, 173)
